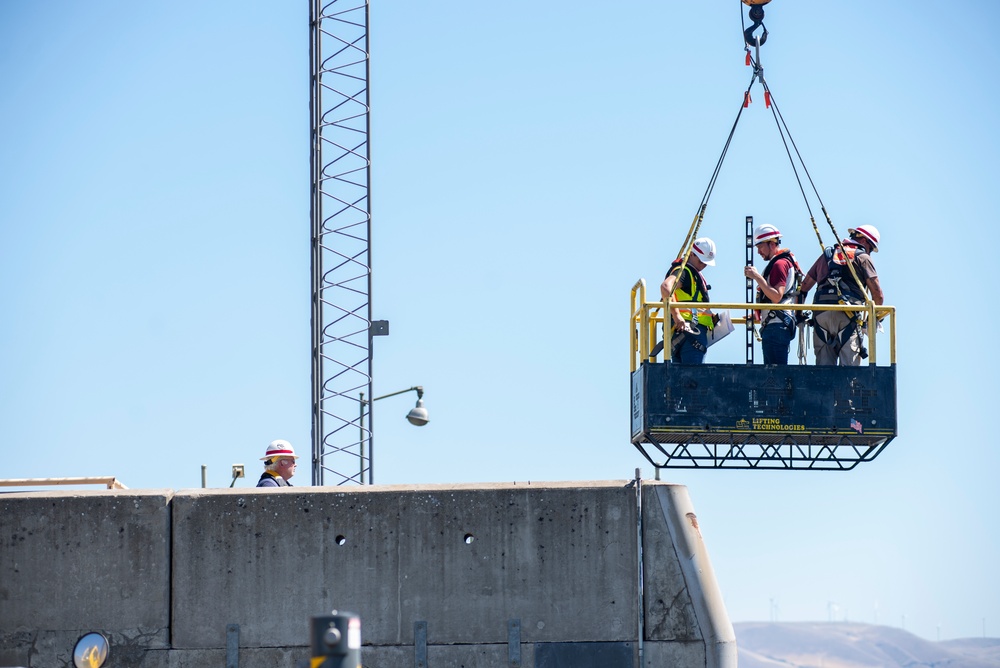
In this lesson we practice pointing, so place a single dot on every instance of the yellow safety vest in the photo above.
(704, 316)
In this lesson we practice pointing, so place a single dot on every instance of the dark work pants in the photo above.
(775, 339)
(691, 350)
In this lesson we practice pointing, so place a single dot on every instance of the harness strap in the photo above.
(845, 334)
(790, 290)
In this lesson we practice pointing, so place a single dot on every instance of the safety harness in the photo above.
(790, 293)
(278, 480)
(842, 286)
(700, 294)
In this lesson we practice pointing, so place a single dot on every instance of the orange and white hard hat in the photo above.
(279, 449)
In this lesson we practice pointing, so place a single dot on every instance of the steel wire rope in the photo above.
(668, 326)
(782, 126)
(781, 123)
(696, 223)
(783, 130)
(786, 138)
(699, 216)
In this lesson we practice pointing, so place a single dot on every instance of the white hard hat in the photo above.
(765, 232)
(704, 248)
(278, 449)
(869, 232)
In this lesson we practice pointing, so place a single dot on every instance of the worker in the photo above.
(778, 284)
(837, 335)
(691, 326)
(279, 464)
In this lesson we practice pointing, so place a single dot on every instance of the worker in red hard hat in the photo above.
(279, 464)
(778, 284)
(837, 335)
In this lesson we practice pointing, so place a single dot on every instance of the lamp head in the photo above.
(418, 414)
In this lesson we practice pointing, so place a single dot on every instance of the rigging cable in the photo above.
(699, 217)
(692, 234)
(757, 16)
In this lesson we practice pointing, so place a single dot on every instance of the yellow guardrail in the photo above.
(648, 320)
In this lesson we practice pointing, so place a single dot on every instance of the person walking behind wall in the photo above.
(279, 464)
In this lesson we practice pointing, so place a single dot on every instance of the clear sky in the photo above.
(531, 161)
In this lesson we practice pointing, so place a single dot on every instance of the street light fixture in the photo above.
(417, 417)
(418, 414)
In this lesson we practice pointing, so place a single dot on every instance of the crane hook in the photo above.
(757, 16)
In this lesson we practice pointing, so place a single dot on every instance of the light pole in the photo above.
(417, 417)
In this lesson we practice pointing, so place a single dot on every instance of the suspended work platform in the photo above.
(746, 416)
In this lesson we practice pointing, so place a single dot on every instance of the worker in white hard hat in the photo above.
(691, 325)
(779, 284)
(837, 336)
(279, 464)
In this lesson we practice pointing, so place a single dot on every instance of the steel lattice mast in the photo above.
(341, 241)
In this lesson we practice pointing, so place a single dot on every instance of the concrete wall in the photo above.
(527, 575)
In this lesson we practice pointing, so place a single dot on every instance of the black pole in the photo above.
(750, 290)
(336, 639)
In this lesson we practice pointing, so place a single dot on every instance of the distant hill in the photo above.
(845, 645)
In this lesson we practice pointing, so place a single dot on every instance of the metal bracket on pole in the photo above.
(514, 643)
(420, 644)
(232, 646)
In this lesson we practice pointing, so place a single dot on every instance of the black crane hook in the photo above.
(757, 16)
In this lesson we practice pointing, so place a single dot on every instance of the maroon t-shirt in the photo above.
(779, 273)
(862, 265)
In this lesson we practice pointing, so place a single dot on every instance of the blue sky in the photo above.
(530, 163)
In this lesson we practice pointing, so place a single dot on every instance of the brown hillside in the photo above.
(846, 645)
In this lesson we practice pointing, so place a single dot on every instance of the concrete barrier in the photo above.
(527, 575)
(83, 560)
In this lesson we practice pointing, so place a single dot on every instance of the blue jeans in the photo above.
(691, 349)
(774, 341)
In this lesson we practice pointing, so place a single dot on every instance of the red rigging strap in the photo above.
(747, 100)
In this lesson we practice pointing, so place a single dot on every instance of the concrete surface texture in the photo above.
(528, 575)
